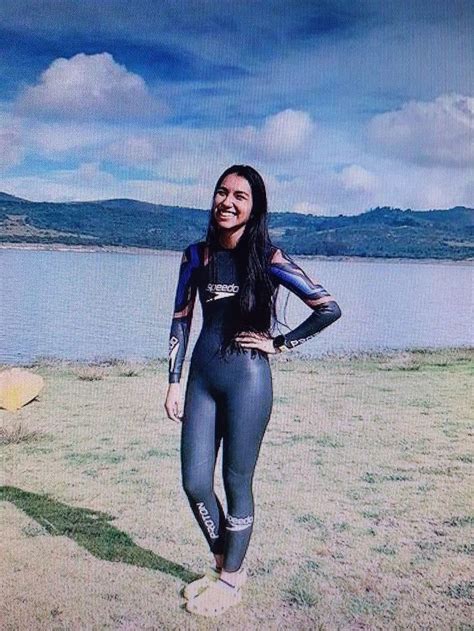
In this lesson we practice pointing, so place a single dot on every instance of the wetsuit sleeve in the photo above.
(286, 272)
(183, 313)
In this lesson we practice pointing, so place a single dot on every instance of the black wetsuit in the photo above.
(229, 390)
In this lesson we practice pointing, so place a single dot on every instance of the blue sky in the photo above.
(341, 105)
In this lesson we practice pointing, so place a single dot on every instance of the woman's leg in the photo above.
(201, 434)
(248, 407)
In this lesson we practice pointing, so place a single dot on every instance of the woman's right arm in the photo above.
(180, 329)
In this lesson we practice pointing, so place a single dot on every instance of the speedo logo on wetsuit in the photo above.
(210, 525)
(238, 523)
(221, 290)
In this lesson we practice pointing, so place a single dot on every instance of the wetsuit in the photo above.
(229, 392)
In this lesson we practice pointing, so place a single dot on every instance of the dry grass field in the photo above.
(363, 500)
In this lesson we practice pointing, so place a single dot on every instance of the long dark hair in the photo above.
(257, 294)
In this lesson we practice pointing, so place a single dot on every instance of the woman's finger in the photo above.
(250, 338)
(175, 418)
(254, 344)
(250, 334)
(245, 341)
(172, 411)
(176, 413)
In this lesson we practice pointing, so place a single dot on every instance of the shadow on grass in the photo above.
(91, 530)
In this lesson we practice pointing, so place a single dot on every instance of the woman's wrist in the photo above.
(279, 344)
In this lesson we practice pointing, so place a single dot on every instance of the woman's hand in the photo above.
(260, 341)
(173, 403)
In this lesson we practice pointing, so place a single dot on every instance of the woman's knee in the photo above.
(196, 486)
(238, 485)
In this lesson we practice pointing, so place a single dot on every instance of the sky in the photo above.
(341, 105)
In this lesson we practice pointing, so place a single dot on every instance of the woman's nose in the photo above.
(226, 202)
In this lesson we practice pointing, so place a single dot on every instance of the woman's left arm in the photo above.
(325, 308)
(286, 272)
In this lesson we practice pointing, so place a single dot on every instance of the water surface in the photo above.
(93, 305)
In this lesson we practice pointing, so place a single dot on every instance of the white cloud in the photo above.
(11, 150)
(380, 182)
(90, 182)
(356, 178)
(174, 153)
(395, 185)
(282, 136)
(90, 87)
(421, 187)
(86, 182)
(439, 132)
(136, 149)
(55, 139)
(182, 165)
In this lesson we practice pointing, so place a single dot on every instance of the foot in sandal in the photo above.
(196, 587)
(218, 596)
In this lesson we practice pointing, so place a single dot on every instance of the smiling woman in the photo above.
(228, 399)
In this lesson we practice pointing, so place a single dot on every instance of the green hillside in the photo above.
(381, 232)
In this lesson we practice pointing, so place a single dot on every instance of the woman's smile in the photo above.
(225, 213)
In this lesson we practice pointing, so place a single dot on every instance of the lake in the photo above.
(96, 305)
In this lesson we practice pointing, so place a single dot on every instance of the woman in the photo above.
(228, 398)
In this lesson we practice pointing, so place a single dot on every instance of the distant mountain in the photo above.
(5, 197)
(380, 232)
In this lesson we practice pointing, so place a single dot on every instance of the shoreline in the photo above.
(115, 249)
(337, 356)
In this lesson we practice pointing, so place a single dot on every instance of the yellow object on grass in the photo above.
(18, 387)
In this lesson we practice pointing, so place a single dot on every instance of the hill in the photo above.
(5, 197)
(380, 232)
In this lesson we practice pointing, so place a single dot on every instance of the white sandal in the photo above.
(196, 587)
(217, 597)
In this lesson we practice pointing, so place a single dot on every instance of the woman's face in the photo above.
(232, 203)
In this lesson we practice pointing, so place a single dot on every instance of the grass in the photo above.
(90, 457)
(373, 478)
(90, 373)
(385, 549)
(18, 433)
(362, 496)
(463, 590)
(465, 548)
(466, 520)
(326, 440)
(468, 458)
(297, 592)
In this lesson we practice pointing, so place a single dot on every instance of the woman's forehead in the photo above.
(234, 182)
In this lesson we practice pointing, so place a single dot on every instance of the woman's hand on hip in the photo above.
(259, 341)
(173, 403)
